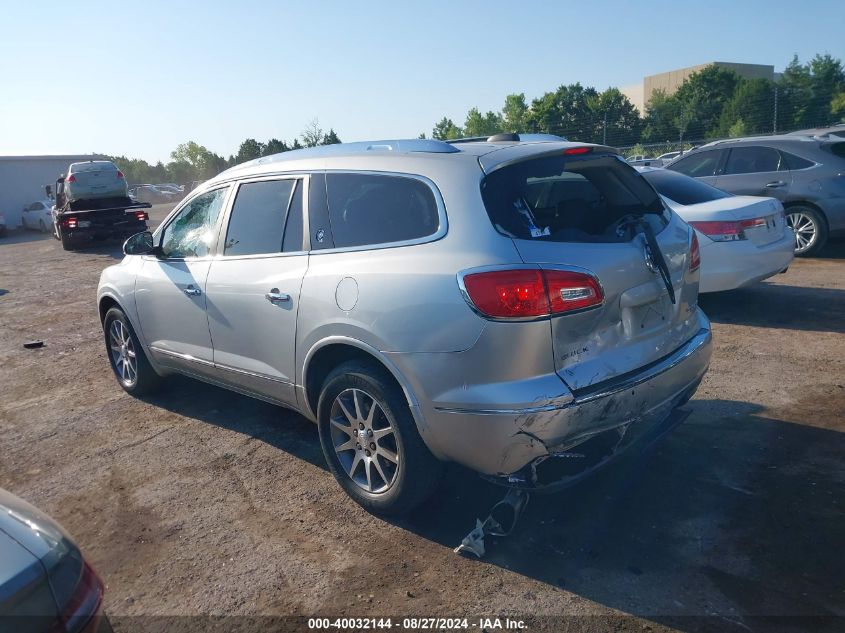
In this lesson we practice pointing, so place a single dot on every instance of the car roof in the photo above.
(489, 154)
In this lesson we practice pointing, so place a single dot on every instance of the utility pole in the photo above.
(604, 131)
(681, 131)
(775, 120)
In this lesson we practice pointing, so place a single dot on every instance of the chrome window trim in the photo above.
(220, 254)
(497, 267)
(442, 229)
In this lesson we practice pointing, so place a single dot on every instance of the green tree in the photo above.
(837, 106)
(192, 161)
(250, 149)
(515, 114)
(478, 124)
(794, 94)
(703, 97)
(275, 146)
(752, 105)
(446, 129)
(330, 138)
(616, 120)
(565, 112)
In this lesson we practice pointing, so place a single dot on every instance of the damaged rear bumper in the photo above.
(578, 433)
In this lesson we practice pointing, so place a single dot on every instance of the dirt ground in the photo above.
(199, 501)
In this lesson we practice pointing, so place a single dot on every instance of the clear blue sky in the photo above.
(137, 78)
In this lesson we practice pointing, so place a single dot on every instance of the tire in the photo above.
(402, 471)
(812, 232)
(41, 226)
(137, 378)
(68, 243)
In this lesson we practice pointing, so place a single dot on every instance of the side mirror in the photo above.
(139, 244)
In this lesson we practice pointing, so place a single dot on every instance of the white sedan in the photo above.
(743, 239)
(38, 215)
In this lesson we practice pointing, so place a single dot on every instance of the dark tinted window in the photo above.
(566, 199)
(369, 209)
(796, 162)
(681, 188)
(258, 218)
(293, 226)
(753, 160)
(838, 149)
(698, 164)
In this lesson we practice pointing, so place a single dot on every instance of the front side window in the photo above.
(193, 231)
(367, 209)
(753, 160)
(682, 189)
(699, 164)
(257, 221)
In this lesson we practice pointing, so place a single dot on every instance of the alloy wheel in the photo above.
(124, 358)
(364, 440)
(805, 230)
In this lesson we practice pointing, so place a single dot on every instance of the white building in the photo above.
(23, 178)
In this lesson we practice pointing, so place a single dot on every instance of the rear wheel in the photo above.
(42, 226)
(371, 442)
(126, 357)
(810, 230)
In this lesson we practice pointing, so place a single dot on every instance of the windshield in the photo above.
(682, 189)
(567, 198)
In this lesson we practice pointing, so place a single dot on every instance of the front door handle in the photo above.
(191, 291)
(776, 183)
(274, 296)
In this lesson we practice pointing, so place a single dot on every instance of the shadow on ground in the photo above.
(746, 510)
(779, 306)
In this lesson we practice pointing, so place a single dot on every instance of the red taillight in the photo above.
(70, 223)
(694, 254)
(119, 174)
(720, 231)
(70, 178)
(530, 293)
(142, 216)
(577, 150)
(85, 602)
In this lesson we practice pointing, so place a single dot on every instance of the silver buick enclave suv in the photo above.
(526, 307)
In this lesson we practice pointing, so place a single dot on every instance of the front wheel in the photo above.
(810, 230)
(41, 226)
(126, 357)
(370, 440)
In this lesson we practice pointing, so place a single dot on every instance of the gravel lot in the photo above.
(201, 501)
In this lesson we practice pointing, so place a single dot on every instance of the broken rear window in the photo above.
(569, 199)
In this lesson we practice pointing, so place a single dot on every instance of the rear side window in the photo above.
(682, 189)
(699, 164)
(838, 149)
(368, 209)
(257, 222)
(796, 162)
(753, 160)
(568, 199)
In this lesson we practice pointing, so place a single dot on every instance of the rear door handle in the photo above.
(274, 296)
(191, 291)
(776, 183)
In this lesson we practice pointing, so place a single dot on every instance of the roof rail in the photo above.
(508, 136)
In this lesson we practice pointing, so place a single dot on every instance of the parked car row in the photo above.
(157, 194)
(805, 173)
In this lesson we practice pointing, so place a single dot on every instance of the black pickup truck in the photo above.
(79, 222)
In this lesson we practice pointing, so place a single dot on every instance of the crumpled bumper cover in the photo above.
(504, 442)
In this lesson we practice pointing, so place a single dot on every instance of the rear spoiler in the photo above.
(517, 153)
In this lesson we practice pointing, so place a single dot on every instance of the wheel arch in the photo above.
(329, 353)
(106, 303)
(805, 203)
